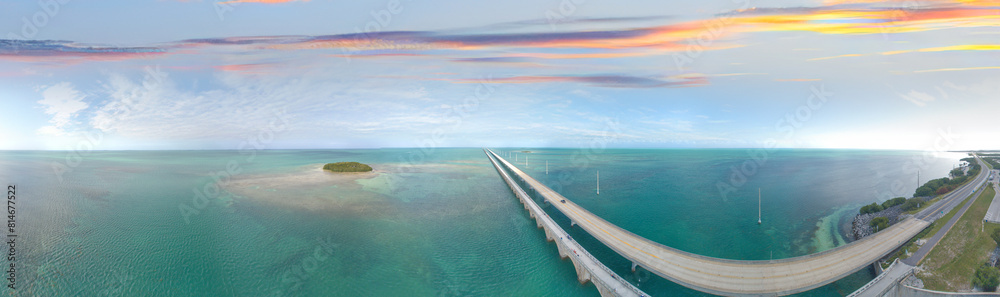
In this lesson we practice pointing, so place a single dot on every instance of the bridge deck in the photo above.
(732, 277)
(607, 282)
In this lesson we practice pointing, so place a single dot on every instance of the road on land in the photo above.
(945, 205)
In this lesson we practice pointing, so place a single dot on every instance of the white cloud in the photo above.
(588, 95)
(561, 104)
(673, 124)
(235, 107)
(918, 98)
(155, 108)
(63, 102)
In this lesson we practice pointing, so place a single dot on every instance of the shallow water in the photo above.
(438, 223)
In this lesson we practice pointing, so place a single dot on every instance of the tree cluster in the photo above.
(875, 207)
(879, 223)
(347, 167)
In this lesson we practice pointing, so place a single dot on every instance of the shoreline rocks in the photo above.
(860, 227)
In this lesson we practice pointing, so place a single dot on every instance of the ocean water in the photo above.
(435, 222)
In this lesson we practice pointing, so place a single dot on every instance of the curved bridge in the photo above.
(587, 267)
(731, 277)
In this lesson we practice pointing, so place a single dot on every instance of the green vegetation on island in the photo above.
(871, 208)
(912, 203)
(879, 223)
(875, 207)
(347, 167)
(893, 202)
(944, 185)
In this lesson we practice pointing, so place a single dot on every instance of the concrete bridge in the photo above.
(587, 267)
(724, 276)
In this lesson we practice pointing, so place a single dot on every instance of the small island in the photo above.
(347, 167)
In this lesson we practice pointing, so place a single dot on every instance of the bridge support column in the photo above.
(605, 291)
(572, 223)
(548, 234)
(633, 266)
(562, 249)
(582, 274)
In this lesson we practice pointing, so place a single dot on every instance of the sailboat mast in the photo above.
(758, 206)
(598, 182)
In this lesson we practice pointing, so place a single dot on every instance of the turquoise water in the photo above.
(427, 223)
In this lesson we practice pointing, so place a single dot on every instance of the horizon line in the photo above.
(508, 147)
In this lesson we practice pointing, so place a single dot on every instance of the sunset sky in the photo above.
(170, 74)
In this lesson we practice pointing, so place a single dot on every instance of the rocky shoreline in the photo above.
(861, 228)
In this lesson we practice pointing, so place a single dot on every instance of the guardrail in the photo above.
(561, 234)
(875, 280)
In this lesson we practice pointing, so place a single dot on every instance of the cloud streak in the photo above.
(608, 81)
(63, 102)
(65, 51)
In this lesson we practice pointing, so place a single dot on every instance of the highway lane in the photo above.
(945, 205)
(725, 276)
(600, 275)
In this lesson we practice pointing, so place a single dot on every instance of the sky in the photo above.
(176, 74)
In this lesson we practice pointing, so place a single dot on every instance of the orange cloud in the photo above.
(959, 69)
(871, 21)
(710, 34)
(964, 47)
(582, 56)
(608, 81)
(253, 68)
(915, 3)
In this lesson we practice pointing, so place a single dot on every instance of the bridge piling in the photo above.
(704, 273)
(587, 267)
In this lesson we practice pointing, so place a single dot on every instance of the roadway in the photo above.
(938, 210)
(885, 281)
(725, 276)
(607, 282)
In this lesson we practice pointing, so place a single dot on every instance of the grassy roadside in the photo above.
(951, 264)
(911, 246)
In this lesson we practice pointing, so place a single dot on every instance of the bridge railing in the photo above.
(875, 281)
(562, 235)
